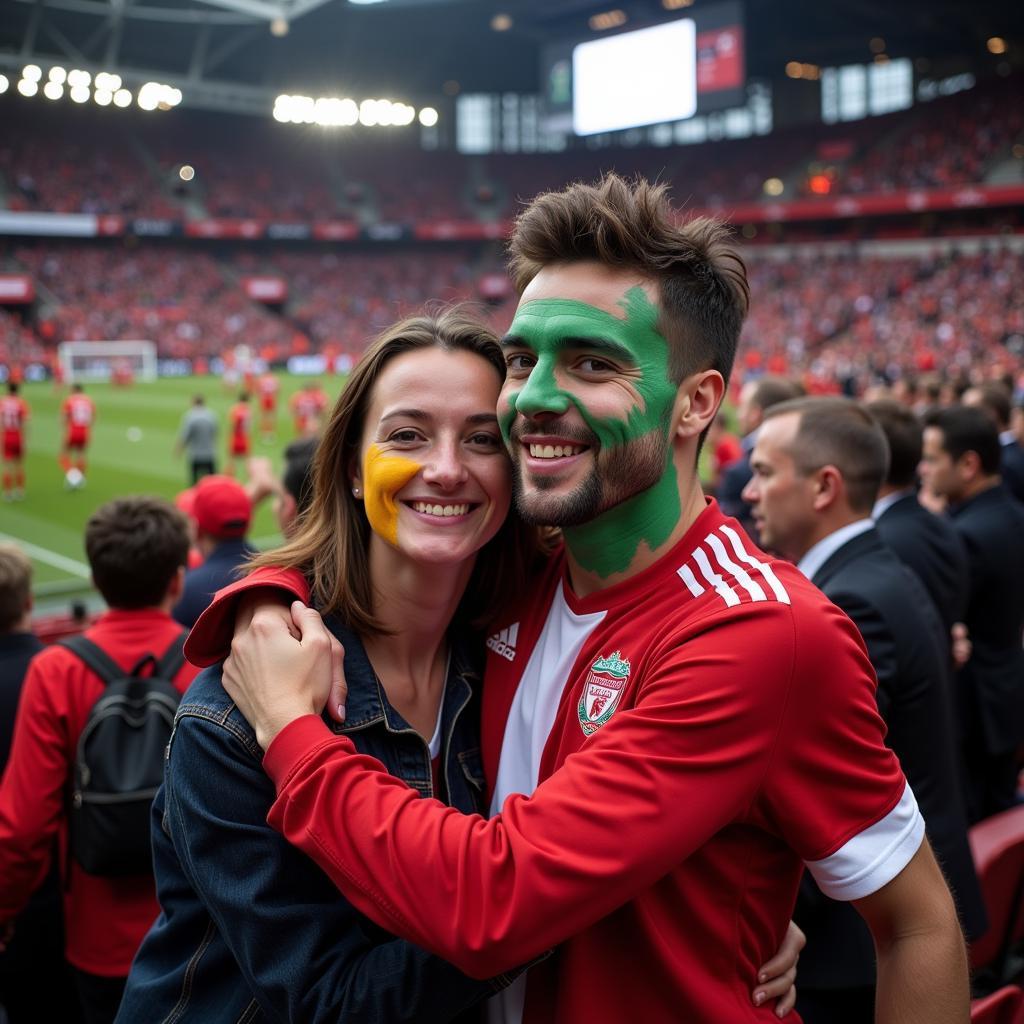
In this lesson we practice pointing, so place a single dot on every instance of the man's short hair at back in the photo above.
(969, 429)
(297, 478)
(135, 546)
(771, 390)
(15, 585)
(996, 399)
(903, 432)
(701, 278)
(839, 432)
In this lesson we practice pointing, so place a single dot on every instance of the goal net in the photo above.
(103, 360)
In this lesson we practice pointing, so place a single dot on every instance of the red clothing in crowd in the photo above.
(106, 918)
(713, 729)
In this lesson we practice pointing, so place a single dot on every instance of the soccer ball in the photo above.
(74, 478)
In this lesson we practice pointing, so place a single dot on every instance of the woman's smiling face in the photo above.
(433, 471)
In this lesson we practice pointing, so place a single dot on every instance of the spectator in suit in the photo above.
(756, 397)
(34, 979)
(817, 466)
(222, 512)
(997, 400)
(928, 544)
(961, 462)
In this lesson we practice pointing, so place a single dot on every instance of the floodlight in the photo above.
(428, 117)
(53, 90)
(31, 72)
(186, 172)
(5, 83)
(122, 98)
(80, 93)
(78, 77)
(27, 88)
(57, 75)
(103, 97)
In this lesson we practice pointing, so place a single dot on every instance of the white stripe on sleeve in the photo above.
(752, 587)
(874, 857)
(762, 567)
(724, 591)
(686, 574)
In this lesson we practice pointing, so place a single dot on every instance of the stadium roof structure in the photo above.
(235, 55)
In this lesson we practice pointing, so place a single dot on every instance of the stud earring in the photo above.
(355, 492)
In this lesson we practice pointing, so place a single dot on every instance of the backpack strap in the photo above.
(94, 657)
(174, 657)
(108, 670)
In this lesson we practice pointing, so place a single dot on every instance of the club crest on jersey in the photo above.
(602, 692)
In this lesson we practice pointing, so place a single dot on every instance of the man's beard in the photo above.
(618, 474)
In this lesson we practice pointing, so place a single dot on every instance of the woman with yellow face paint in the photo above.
(406, 549)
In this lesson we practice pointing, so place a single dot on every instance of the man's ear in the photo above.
(177, 584)
(829, 487)
(697, 402)
(969, 465)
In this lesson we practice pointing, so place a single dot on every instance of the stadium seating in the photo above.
(1003, 1007)
(997, 845)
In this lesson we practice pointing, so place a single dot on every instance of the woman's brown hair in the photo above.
(331, 545)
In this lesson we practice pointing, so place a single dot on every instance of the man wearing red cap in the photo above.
(222, 512)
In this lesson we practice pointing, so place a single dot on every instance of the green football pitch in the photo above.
(131, 452)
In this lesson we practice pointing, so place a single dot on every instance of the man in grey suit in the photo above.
(817, 466)
(961, 462)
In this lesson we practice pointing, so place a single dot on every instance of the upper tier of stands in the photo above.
(126, 163)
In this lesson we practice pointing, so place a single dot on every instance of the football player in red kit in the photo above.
(78, 412)
(241, 425)
(13, 417)
(268, 387)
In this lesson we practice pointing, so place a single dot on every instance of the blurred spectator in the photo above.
(926, 543)
(997, 401)
(756, 397)
(136, 549)
(198, 439)
(34, 979)
(961, 463)
(724, 448)
(818, 465)
(222, 511)
(293, 493)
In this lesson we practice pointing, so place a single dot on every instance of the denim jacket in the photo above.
(250, 929)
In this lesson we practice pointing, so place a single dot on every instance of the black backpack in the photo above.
(119, 763)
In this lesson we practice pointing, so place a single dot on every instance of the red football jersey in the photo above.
(78, 411)
(240, 417)
(698, 733)
(13, 414)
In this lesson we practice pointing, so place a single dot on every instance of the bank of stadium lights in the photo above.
(337, 112)
(607, 19)
(808, 72)
(5, 84)
(80, 86)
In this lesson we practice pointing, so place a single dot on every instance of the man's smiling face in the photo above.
(587, 403)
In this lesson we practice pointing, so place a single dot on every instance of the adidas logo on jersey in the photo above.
(504, 643)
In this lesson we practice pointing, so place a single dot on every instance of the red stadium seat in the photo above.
(1003, 1007)
(998, 848)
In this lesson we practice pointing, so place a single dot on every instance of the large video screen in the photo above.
(643, 77)
(718, 55)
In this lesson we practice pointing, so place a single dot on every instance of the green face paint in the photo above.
(634, 446)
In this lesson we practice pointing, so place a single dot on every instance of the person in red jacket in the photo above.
(674, 724)
(137, 549)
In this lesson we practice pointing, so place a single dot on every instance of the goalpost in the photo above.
(97, 360)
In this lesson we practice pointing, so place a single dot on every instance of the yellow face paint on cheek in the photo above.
(384, 475)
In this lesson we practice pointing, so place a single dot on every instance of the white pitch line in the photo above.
(51, 557)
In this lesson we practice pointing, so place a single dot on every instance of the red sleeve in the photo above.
(487, 895)
(210, 638)
(35, 781)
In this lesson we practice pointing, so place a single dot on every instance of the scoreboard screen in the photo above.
(659, 73)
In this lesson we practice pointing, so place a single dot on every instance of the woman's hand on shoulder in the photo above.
(284, 664)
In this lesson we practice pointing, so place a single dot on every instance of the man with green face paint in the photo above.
(674, 725)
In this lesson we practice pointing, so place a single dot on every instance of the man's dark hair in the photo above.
(839, 432)
(198, 400)
(996, 400)
(904, 432)
(134, 547)
(12, 387)
(772, 390)
(701, 278)
(297, 478)
(969, 429)
(15, 585)
(76, 388)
